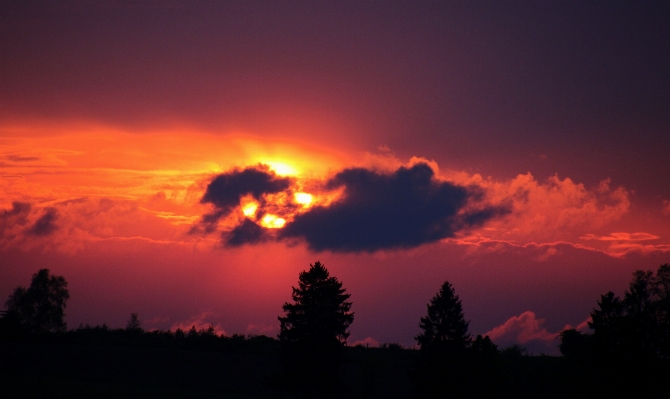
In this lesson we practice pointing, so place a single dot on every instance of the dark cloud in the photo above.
(403, 209)
(225, 191)
(45, 225)
(19, 158)
(15, 216)
(18, 209)
(246, 233)
(382, 211)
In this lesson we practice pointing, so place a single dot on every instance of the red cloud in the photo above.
(621, 236)
(526, 330)
(557, 209)
(200, 322)
(622, 243)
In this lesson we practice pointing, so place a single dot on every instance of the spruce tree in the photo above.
(314, 331)
(447, 367)
(444, 324)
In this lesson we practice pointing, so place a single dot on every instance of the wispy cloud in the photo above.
(622, 236)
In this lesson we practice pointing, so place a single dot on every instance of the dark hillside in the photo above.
(84, 370)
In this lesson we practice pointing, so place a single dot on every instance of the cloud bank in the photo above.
(19, 222)
(375, 210)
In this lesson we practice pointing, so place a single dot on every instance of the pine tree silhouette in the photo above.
(314, 332)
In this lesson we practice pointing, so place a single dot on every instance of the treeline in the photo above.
(635, 328)
(201, 340)
(628, 349)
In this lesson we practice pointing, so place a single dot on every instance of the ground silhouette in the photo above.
(627, 351)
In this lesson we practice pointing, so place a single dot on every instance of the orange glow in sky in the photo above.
(281, 168)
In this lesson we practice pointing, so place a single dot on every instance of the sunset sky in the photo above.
(185, 160)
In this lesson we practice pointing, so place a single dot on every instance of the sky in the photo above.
(186, 160)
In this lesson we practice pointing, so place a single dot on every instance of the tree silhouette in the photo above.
(444, 325)
(631, 337)
(134, 323)
(314, 331)
(448, 367)
(41, 307)
(639, 325)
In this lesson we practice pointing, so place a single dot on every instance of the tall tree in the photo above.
(448, 366)
(41, 307)
(314, 331)
(444, 325)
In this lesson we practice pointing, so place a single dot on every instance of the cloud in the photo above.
(71, 225)
(246, 233)
(226, 190)
(622, 249)
(525, 329)
(582, 327)
(622, 243)
(403, 209)
(200, 322)
(19, 158)
(45, 225)
(622, 236)
(552, 210)
(390, 206)
(358, 209)
(16, 215)
(13, 221)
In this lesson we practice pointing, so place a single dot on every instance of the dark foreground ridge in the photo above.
(628, 351)
(111, 363)
(104, 363)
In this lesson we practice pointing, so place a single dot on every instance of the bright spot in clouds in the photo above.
(249, 209)
(271, 221)
(304, 199)
(281, 168)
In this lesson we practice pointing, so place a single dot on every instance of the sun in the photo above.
(282, 168)
(272, 221)
(304, 199)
